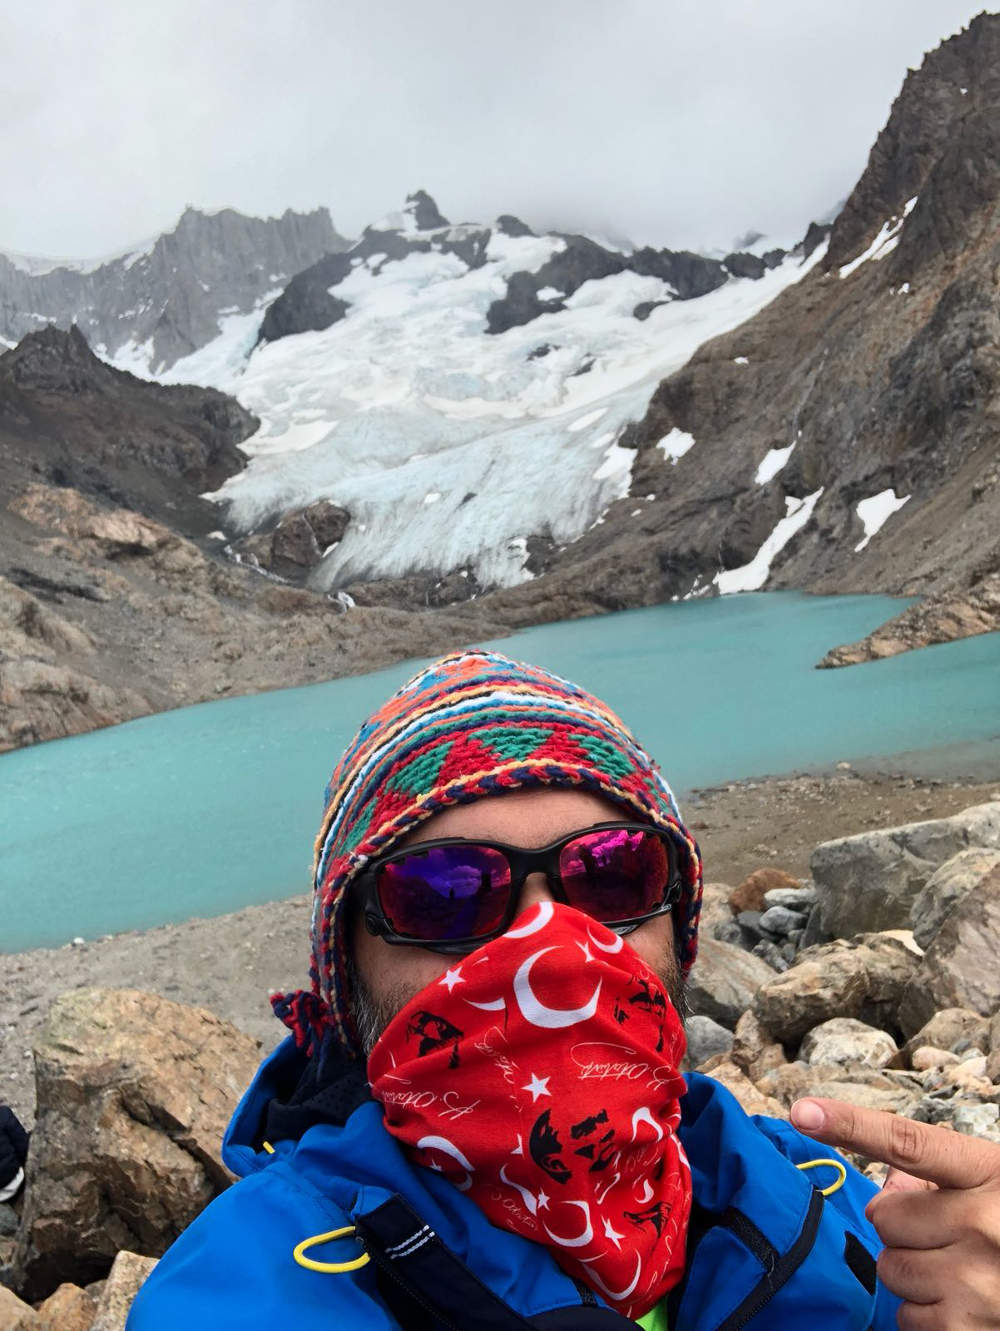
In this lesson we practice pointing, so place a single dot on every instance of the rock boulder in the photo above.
(956, 878)
(15, 1315)
(70, 1308)
(960, 968)
(124, 1281)
(133, 1094)
(871, 881)
(705, 1039)
(751, 892)
(755, 1050)
(724, 981)
(949, 1027)
(843, 1041)
(864, 978)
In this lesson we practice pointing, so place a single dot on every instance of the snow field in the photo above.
(751, 577)
(408, 397)
(875, 513)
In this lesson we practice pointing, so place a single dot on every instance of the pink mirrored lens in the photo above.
(445, 892)
(615, 874)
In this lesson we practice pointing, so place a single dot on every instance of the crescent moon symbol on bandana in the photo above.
(616, 946)
(530, 1200)
(494, 1005)
(647, 1192)
(644, 1116)
(546, 909)
(581, 1240)
(448, 1148)
(616, 1294)
(549, 1018)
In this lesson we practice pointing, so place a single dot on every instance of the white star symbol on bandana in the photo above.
(585, 949)
(543, 1201)
(611, 1233)
(451, 978)
(537, 1086)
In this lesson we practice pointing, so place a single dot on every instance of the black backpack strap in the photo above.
(427, 1287)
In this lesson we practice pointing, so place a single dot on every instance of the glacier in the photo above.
(450, 447)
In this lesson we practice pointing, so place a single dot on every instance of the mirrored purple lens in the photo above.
(615, 874)
(445, 892)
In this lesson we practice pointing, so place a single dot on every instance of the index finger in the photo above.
(936, 1154)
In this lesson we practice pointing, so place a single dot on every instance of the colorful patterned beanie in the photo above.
(471, 725)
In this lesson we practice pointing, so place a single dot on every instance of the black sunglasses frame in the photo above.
(522, 862)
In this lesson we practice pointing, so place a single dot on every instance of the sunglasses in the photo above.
(453, 894)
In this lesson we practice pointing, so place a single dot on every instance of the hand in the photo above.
(938, 1214)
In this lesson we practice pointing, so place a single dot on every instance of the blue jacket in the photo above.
(765, 1248)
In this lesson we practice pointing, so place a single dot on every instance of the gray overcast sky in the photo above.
(679, 122)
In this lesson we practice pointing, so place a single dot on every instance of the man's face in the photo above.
(385, 977)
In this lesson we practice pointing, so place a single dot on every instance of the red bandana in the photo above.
(539, 1074)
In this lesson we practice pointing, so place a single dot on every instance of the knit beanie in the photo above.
(470, 725)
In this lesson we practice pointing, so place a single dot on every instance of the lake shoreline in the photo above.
(231, 963)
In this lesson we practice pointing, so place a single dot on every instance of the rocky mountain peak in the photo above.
(424, 211)
(953, 97)
(167, 297)
(54, 359)
(69, 420)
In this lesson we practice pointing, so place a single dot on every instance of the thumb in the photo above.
(898, 1181)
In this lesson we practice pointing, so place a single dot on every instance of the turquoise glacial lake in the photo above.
(206, 809)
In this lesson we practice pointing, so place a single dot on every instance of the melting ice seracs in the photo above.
(408, 396)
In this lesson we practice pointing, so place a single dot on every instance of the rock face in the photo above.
(960, 966)
(944, 617)
(964, 873)
(171, 292)
(842, 1041)
(856, 370)
(15, 1314)
(583, 260)
(750, 893)
(106, 615)
(70, 1308)
(724, 981)
(134, 1093)
(864, 978)
(71, 420)
(299, 541)
(126, 1277)
(871, 881)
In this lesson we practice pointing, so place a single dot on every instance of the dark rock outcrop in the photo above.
(425, 212)
(929, 124)
(69, 419)
(307, 303)
(509, 225)
(745, 265)
(298, 542)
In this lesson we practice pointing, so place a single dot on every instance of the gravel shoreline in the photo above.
(231, 963)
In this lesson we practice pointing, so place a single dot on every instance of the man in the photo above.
(478, 1120)
(13, 1153)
